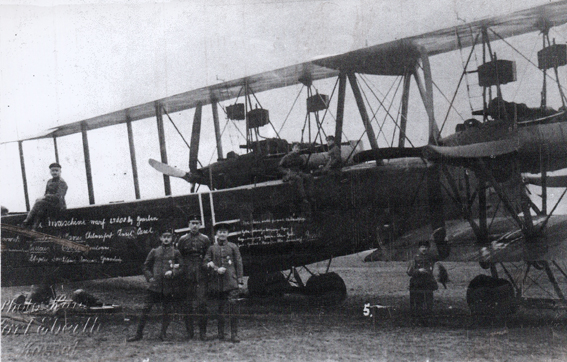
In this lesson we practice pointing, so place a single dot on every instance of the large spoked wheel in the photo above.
(326, 289)
(267, 284)
(491, 297)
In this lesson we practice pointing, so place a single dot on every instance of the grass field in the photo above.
(292, 329)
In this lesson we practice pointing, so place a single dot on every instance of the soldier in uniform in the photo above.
(162, 266)
(193, 247)
(292, 166)
(335, 161)
(54, 198)
(422, 282)
(225, 264)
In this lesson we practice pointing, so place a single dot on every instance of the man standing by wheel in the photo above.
(225, 264)
(193, 247)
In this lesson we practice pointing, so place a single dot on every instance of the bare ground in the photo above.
(291, 329)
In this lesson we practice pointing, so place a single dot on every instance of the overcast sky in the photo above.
(72, 60)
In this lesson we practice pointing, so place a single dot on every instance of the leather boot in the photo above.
(234, 330)
(165, 324)
(221, 328)
(135, 338)
(203, 329)
(189, 327)
(139, 331)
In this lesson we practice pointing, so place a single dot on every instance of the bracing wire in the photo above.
(463, 75)
(388, 113)
(327, 111)
(382, 105)
(526, 58)
(465, 66)
(270, 122)
(445, 97)
(292, 106)
(524, 72)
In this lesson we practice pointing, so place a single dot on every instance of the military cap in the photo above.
(222, 226)
(194, 218)
(165, 230)
(54, 164)
(423, 243)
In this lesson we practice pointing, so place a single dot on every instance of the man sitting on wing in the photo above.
(335, 162)
(53, 200)
(292, 166)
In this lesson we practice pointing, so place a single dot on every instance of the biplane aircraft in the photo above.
(466, 186)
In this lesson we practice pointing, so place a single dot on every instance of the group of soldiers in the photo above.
(194, 273)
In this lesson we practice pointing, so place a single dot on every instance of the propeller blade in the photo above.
(168, 170)
(195, 137)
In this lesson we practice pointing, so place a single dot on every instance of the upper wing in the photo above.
(391, 58)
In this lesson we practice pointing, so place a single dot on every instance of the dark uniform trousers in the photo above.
(227, 306)
(50, 203)
(422, 285)
(224, 288)
(161, 289)
(195, 301)
(291, 165)
(150, 300)
(193, 249)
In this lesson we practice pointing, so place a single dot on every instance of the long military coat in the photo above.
(159, 261)
(228, 256)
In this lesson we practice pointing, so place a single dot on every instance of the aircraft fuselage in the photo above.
(274, 229)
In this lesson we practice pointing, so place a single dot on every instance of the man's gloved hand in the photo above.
(168, 274)
(210, 264)
(221, 270)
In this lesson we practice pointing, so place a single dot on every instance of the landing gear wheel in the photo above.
(267, 284)
(491, 297)
(326, 289)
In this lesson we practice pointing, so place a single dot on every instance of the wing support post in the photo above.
(220, 153)
(340, 108)
(362, 110)
(405, 106)
(24, 178)
(425, 87)
(133, 157)
(55, 149)
(88, 169)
